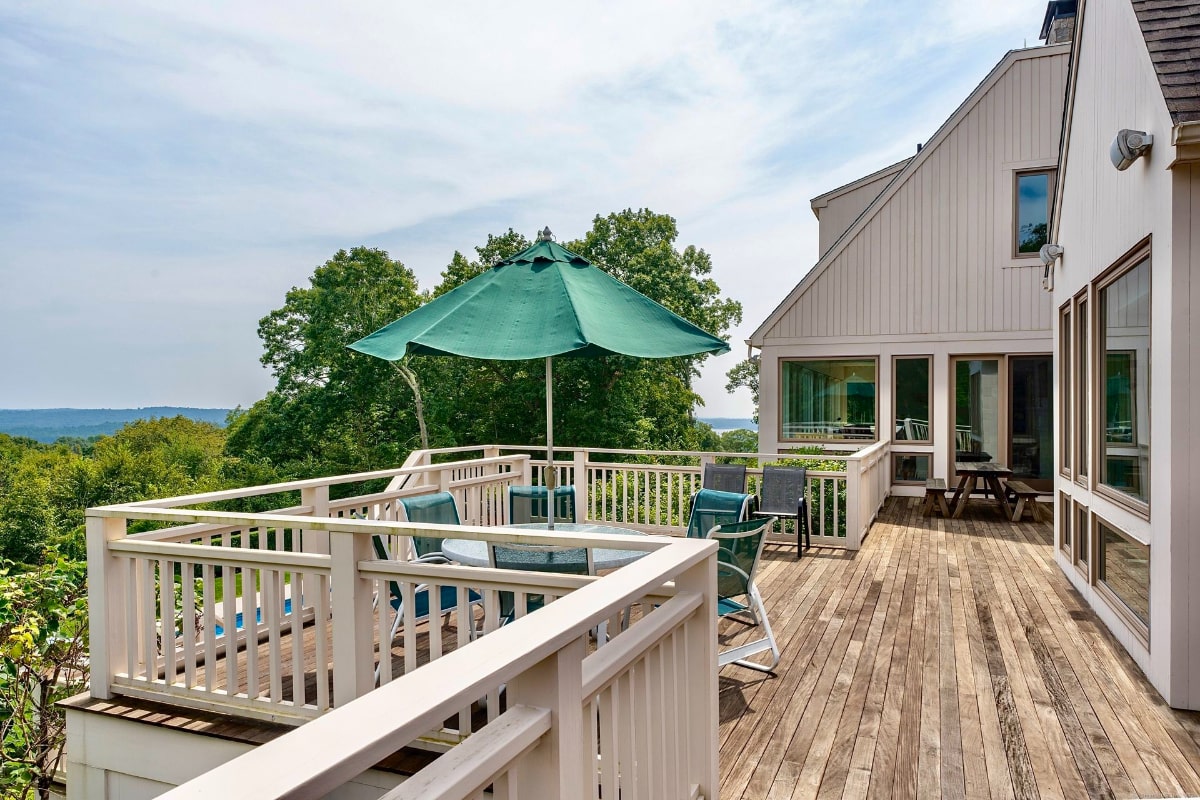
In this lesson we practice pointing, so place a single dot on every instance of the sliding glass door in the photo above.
(1031, 422)
(977, 409)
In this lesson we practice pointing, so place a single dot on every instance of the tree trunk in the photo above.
(410, 378)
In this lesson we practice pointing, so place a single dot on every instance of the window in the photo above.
(977, 409)
(1032, 211)
(912, 399)
(1123, 567)
(1064, 521)
(828, 399)
(1123, 346)
(910, 468)
(1082, 393)
(1080, 526)
(1065, 333)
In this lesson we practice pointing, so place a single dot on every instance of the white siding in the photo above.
(1104, 213)
(936, 255)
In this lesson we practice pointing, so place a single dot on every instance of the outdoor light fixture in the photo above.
(1128, 146)
(1049, 253)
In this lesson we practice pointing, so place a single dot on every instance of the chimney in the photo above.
(1059, 23)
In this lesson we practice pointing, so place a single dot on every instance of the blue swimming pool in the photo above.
(238, 623)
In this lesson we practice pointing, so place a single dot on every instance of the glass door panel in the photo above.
(977, 409)
(1031, 434)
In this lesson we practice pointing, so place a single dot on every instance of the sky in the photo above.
(169, 170)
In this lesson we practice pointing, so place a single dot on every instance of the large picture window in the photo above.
(828, 399)
(1032, 211)
(912, 399)
(1123, 567)
(1123, 343)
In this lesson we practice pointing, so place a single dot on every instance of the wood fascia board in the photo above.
(1064, 140)
(822, 200)
(990, 80)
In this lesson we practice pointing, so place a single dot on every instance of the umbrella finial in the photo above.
(545, 235)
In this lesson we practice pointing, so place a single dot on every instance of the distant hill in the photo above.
(729, 423)
(50, 424)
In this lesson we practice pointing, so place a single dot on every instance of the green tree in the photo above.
(331, 408)
(43, 648)
(744, 374)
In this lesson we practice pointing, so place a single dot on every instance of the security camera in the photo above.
(1129, 146)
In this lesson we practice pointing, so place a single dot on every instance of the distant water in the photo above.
(723, 424)
(51, 424)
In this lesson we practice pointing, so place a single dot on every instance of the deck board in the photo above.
(946, 658)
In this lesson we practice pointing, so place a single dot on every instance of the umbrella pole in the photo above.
(551, 473)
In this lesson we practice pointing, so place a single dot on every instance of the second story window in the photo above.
(1031, 211)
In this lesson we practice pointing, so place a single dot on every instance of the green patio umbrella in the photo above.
(543, 302)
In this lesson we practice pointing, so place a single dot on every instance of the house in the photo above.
(923, 323)
(1126, 290)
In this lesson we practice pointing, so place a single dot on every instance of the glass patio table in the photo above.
(474, 553)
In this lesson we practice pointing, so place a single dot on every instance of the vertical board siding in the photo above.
(934, 256)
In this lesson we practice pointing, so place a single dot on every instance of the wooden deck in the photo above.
(947, 658)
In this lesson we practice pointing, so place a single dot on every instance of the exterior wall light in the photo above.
(1049, 253)
(1128, 146)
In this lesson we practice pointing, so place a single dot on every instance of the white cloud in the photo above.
(168, 170)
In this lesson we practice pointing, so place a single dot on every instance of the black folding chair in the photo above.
(784, 493)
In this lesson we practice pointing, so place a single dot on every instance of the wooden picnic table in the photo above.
(970, 473)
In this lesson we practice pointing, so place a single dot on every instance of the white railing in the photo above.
(868, 484)
(635, 718)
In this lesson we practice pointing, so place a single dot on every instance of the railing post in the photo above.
(445, 477)
(526, 471)
(318, 498)
(703, 713)
(106, 601)
(555, 768)
(854, 488)
(491, 452)
(581, 483)
(353, 645)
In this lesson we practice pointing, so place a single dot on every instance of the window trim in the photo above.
(1126, 614)
(1081, 523)
(1135, 256)
(874, 359)
(912, 357)
(910, 454)
(1051, 174)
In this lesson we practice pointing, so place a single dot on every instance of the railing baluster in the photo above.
(166, 572)
(187, 626)
(296, 624)
(250, 629)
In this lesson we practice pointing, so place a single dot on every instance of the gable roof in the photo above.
(830, 255)
(1171, 29)
(822, 200)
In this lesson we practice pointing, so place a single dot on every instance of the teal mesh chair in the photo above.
(527, 504)
(438, 509)
(741, 545)
(422, 600)
(536, 558)
(711, 508)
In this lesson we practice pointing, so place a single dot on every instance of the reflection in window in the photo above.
(1064, 520)
(1082, 394)
(912, 399)
(1033, 211)
(1082, 539)
(828, 399)
(976, 409)
(1124, 341)
(1123, 566)
(1031, 419)
(910, 468)
(1064, 384)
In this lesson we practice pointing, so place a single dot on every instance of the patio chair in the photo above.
(527, 504)
(785, 495)
(563, 560)
(422, 601)
(741, 545)
(711, 508)
(724, 477)
(438, 509)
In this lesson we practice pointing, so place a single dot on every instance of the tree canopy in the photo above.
(344, 410)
